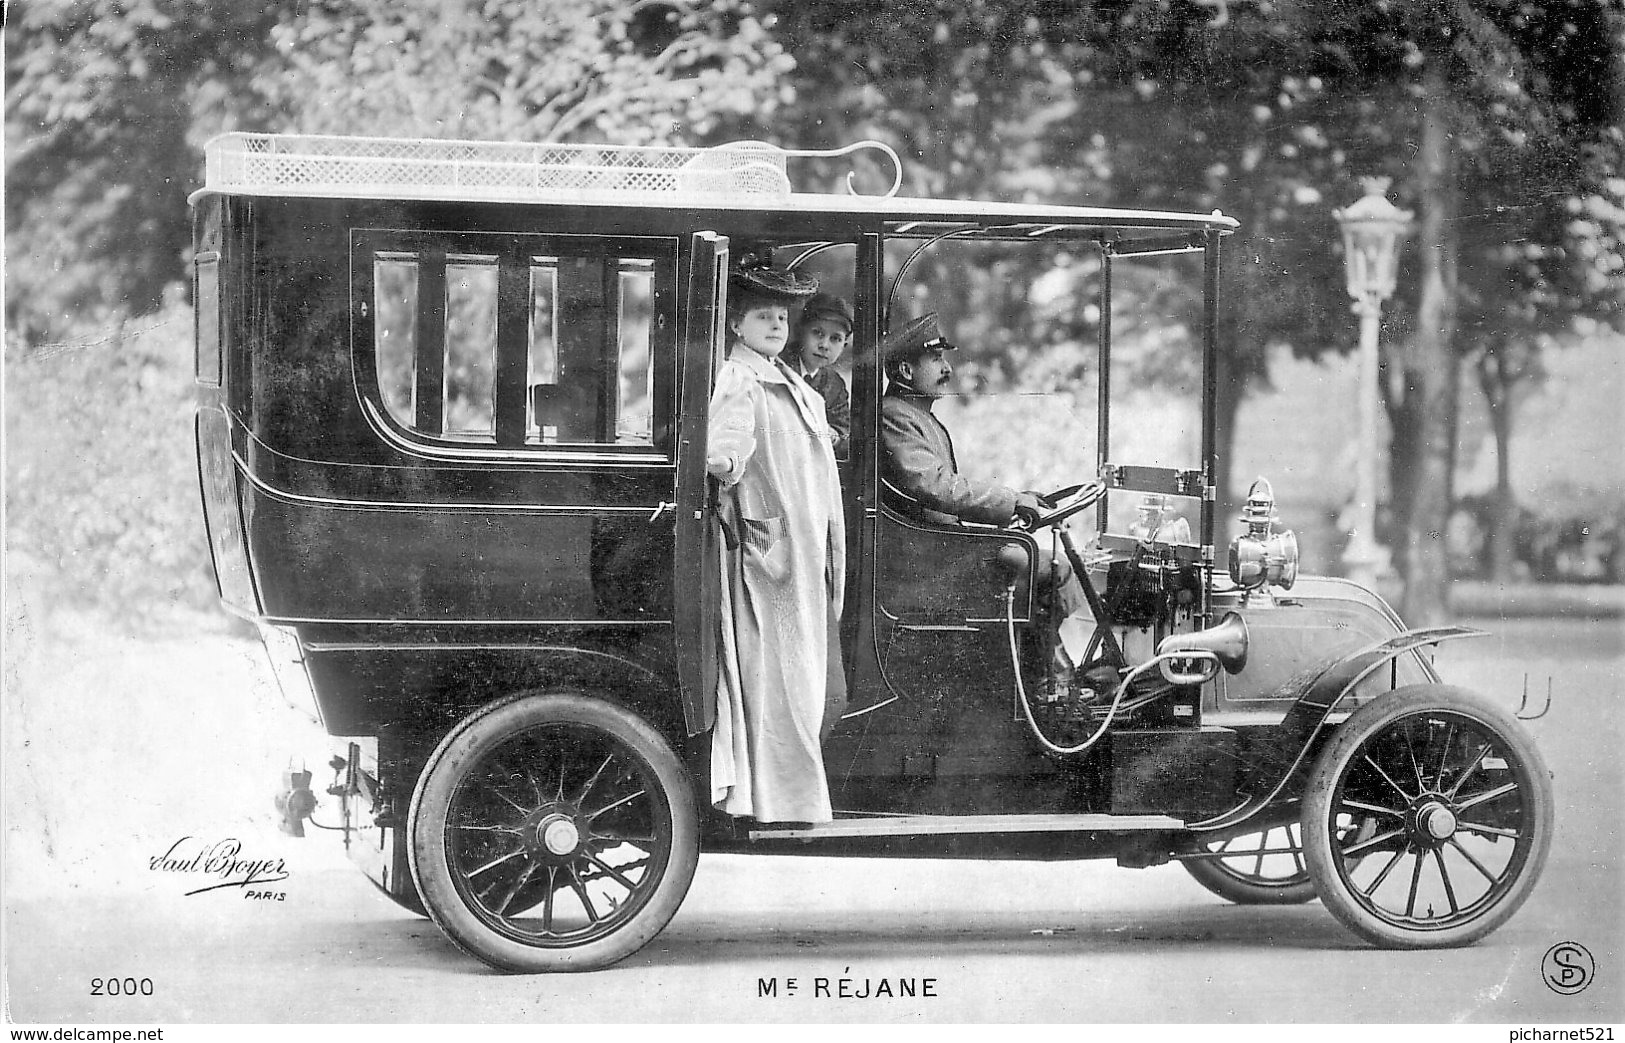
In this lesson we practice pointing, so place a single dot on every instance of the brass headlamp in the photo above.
(1260, 555)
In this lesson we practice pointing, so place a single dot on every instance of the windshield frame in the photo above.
(1121, 239)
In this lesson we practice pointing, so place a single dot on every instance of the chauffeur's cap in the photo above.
(916, 338)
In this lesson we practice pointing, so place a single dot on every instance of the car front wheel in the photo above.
(1427, 818)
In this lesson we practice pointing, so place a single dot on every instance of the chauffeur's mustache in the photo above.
(917, 384)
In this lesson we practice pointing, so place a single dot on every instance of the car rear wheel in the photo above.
(1264, 868)
(1427, 818)
(553, 832)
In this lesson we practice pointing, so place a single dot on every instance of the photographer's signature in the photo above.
(222, 859)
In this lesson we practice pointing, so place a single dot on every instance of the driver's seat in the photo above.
(906, 506)
(932, 573)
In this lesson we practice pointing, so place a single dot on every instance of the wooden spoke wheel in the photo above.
(1427, 818)
(553, 832)
(1263, 868)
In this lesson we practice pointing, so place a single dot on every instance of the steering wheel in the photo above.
(1064, 503)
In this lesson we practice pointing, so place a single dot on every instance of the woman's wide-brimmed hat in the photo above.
(757, 279)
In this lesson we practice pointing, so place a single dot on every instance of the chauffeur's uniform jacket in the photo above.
(923, 476)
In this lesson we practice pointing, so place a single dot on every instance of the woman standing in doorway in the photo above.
(779, 685)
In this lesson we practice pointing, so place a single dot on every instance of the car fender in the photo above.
(1315, 694)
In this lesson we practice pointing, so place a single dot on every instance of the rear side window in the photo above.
(206, 296)
(524, 342)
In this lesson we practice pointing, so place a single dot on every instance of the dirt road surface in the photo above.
(116, 749)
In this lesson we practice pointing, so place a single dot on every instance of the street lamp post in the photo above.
(1372, 231)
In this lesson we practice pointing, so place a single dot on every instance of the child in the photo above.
(783, 565)
(822, 334)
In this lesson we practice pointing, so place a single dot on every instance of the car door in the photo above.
(695, 573)
(928, 658)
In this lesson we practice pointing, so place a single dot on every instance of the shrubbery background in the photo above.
(102, 506)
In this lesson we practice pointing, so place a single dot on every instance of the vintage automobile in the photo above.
(451, 437)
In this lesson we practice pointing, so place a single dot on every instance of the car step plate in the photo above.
(921, 825)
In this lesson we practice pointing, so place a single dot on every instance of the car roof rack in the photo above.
(417, 168)
(740, 175)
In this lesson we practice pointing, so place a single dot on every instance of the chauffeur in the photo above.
(923, 479)
(918, 463)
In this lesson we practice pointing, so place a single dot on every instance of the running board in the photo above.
(925, 825)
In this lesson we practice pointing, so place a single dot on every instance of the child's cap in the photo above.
(827, 306)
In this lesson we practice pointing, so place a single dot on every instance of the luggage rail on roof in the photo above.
(322, 165)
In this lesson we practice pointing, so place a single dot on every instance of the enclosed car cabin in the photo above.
(447, 390)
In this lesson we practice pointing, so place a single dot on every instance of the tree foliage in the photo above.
(1511, 134)
(107, 104)
(638, 72)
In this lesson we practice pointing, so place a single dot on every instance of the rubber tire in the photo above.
(1233, 888)
(1328, 774)
(487, 728)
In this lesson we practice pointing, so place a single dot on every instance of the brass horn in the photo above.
(1195, 658)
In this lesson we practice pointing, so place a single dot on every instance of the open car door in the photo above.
(694, 562)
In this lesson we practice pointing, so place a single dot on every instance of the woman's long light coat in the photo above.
(784, 566)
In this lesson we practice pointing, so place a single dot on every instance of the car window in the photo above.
(520, 341)
(207, 296)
